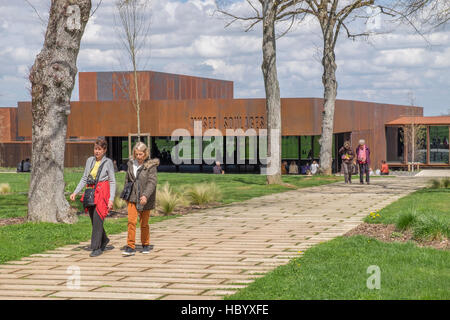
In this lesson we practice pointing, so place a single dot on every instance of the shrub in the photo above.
(167, 200)
(406, 219)
(446, 183)
(119, 203)
(204, 193)
(5, 188)
(432, 228)
(435, 184)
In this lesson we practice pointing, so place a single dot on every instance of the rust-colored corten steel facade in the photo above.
(113, 86)
(175, 102)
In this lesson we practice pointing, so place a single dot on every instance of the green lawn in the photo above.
(425, 201)
(426, 212)
(17, 241)
(21, 240)
(235, 187)
(338, 270)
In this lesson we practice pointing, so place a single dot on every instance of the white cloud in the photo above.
(186, 37)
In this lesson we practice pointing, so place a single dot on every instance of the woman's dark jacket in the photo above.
(146, 183)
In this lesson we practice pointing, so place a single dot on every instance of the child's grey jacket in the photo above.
(106, 174)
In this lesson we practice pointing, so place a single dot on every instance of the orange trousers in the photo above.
(132, 221)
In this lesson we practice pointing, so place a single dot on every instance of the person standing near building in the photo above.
(141, 174)
(217, 169)
(363, 159)
(347, 156)
(99, 175)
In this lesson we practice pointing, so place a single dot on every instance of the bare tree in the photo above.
(133, 16)
(414, 139)
(269, 12)
(333, 17)
(432, 12)
(52, 80)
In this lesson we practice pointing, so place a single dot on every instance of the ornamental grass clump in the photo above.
(167, 200)
(406, 219)
(430, 227)
(446, 183)
(5, 188)
(118, 202)
(204, 193)
(435, 184)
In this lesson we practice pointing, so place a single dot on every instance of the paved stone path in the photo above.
(207, 254)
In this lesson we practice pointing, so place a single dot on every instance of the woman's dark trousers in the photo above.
(98, 238)
(363, 168)
(347, 171)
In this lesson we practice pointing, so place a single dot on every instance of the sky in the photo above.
(396, 65)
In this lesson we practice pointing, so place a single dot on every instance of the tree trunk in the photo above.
(52, 80)
(273, 103)
(330, 93)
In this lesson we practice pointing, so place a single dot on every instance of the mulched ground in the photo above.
(8, 221)
(388, 233)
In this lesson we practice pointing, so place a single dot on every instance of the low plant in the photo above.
(118, 202)
(446, 183)
(406, 219)
(167, 200)
(430, 227)
(5, 188)
(204, 193)
(375, 214)
(435, 184)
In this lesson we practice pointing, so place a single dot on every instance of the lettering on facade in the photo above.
(231, 122)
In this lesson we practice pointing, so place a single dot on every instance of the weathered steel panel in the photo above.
(87, 86)
(105, 86)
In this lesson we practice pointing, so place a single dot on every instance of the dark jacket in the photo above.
(146, 183)
(349, 152)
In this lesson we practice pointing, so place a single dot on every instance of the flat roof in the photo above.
(437, 120)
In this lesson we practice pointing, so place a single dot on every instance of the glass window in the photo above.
(439, 136)
(394, 144)
(164, 148)
(416, 138)
(289, 148)
(306, 147)
(316, 147)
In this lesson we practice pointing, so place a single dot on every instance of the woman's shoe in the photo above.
(146, 249)
(128, 251)
(96, 253)
(105, 244)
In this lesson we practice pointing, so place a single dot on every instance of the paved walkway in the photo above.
(208, 254)
(434, 173)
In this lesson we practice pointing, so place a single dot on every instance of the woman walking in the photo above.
(101, 184)
(141, 182)
(347, 156)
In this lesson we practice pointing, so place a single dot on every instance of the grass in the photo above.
(21, 240)
(338, 270)
(426, 212)
(17, 241)
(234, 187)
